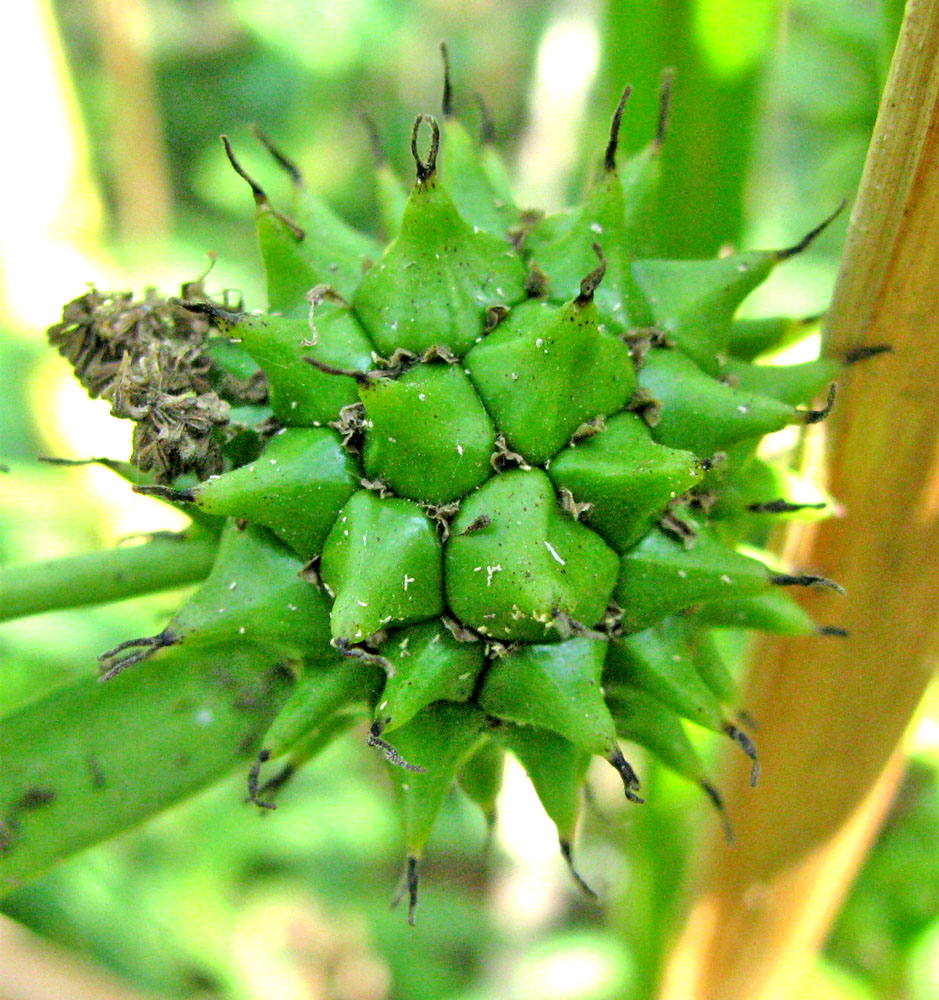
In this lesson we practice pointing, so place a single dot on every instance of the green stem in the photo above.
(97, 577)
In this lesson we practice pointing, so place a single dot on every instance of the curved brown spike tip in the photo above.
(863, 352)
(362, 378)
(446, 102)
(286, 164)
(833, 630)
(143, 648)
(783, 507)
(590, 283)
(374, 139)
(811, 236)
(609, 157)
(629, 776)
(718, 801)
(209, 309)
(165, 493)
(568, 856)
(747, 746)
(55, 460)
(805, 580)
(817, 416)
(487, 125)
(425, 168)
(389, 752)
(260, 196)
(254, 780)
(666, 82)
(411, 879)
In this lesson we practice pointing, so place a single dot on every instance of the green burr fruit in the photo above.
(254, 594)
(438, 277)
(381, 564)
(295, 488)
(545, 370)
(627, 479)
(430, 437)
(515, 561)
(427, 664)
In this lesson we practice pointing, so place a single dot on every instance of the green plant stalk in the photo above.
(110, 575)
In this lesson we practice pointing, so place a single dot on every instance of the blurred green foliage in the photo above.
(773, 107)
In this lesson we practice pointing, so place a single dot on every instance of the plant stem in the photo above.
(832, 715)
(110, 575)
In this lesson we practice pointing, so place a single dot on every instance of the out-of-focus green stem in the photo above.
(110, 575)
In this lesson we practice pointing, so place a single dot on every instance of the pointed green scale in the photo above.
(480, 777)
(701, 414)
(382, 563)
(564, 249)
(658, 662)
(295, 488)
(555, 686)
(556, 768)
(439, 739)
(750, 338)
(792, 384)
(301, 395)
(392, 195)
(253, 594)
(628, 479)
(545, 370)
(644, 720)
(775, 611)
(749, 484)
(429, 665)
(710, 665)
(462, 171)
(521, 561)
(438, 277)
(321, 693)
(660, 576)
(695, 300)
(430, 437)
(640, 178)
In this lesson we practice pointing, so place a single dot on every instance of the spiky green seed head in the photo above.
(485, 486)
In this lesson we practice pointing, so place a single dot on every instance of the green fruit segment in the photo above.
(699, 413)
(428, 665)
(792, 384)
(775, 611)
(750, 338)
(436, 280)
(695, 300)
(711, 667)
(295, 488)
(430, 437)
(660, 666)
(301, 395)
(381, 562)
(640, 178)
(481, 777)
(643, 719)
(661, 576)
(626, 477)
(255, 593)
(439, 739)
(523, 561)
(556, 767)
(289, 275)
(545, 370)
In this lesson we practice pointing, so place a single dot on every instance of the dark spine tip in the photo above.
(286, 164)
(609, 157)
(260, 196)
(811, 236)
(817, 416)
(374, 139)
(254, 780)
(413, 883)
(833, 630)
(805, 580)
(783, 507)
(629, 776)
(362, 378)
(591, 282)
(210, 309)
(862, 353)
(487, 125)
(425, 168)
(143, 648)
(389, 752)
(446, 103)
(166, 493)
(718, 802)
(666, 83)
(747, 746)
(567, 854)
